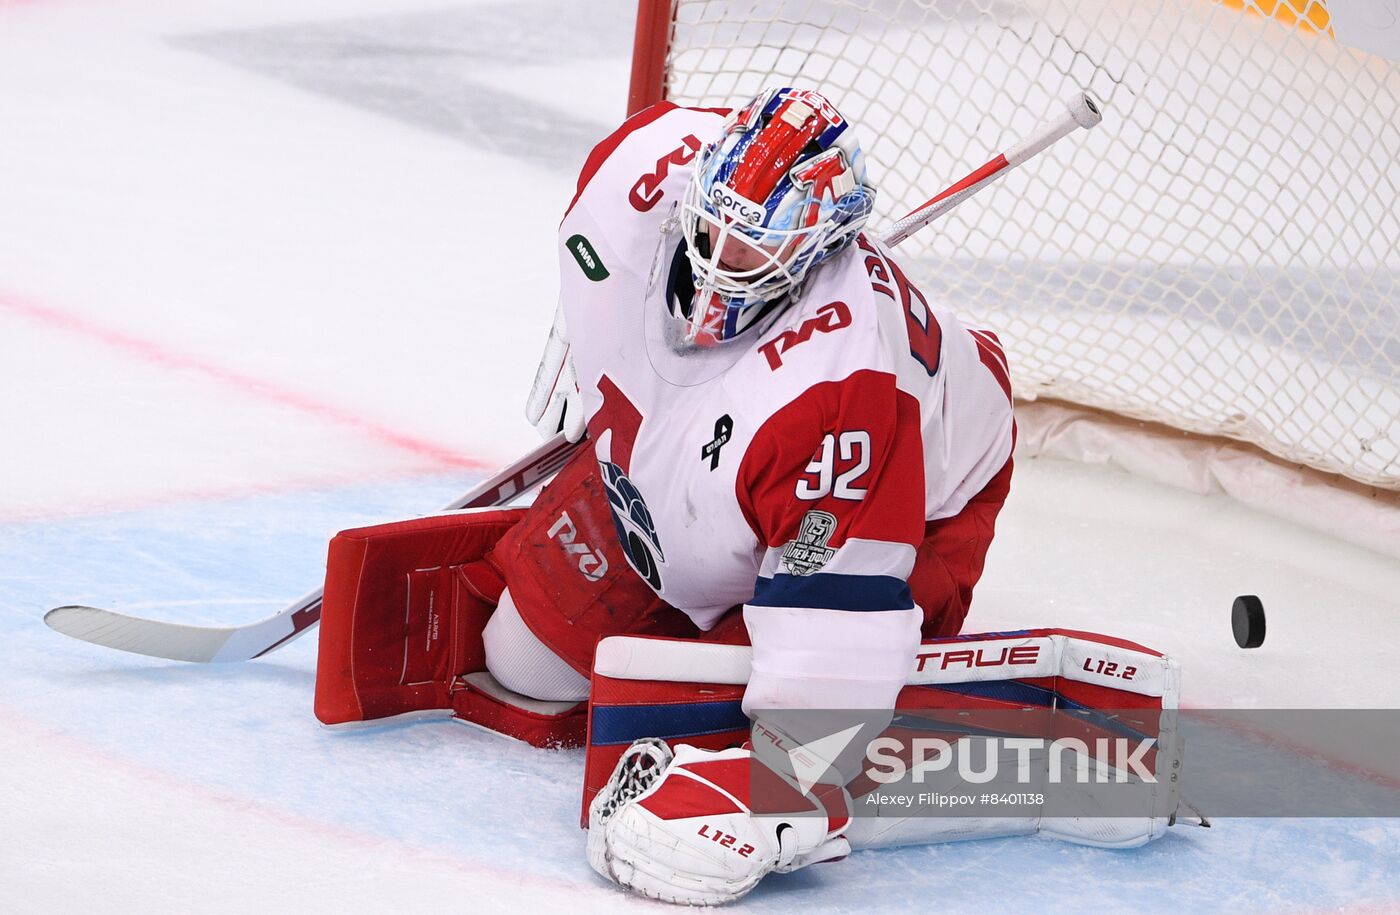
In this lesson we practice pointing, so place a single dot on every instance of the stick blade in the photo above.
(172, 641)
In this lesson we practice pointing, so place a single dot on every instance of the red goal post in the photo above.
(1205, 290)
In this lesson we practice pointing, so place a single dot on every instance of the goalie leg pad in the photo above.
(404, 607)
(402, 630)
(689, 691)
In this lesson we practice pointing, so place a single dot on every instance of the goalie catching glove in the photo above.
(679, 826)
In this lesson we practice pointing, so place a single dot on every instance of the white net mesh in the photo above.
(1221, 255)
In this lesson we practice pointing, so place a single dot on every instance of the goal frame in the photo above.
(1206, 464)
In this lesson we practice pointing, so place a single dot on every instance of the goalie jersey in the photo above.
(793, 469)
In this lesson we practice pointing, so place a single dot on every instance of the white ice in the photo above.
(270, 270)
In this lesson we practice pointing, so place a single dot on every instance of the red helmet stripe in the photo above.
(772, 153)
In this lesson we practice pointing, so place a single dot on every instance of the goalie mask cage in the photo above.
(1219, 260)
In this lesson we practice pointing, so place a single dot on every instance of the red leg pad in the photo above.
(403, 611)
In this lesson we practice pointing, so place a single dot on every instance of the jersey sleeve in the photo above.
(833, 488)
(609, 144)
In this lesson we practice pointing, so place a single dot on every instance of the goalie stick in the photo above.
(1081, 110)
(217, 644)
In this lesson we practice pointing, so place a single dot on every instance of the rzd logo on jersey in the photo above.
(592, 563)
(830, 317)
(646, 192)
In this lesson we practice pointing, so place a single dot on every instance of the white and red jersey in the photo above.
(792, 469)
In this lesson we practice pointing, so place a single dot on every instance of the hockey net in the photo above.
(1220, 257)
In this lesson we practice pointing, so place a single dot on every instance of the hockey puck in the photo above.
(1247, 619)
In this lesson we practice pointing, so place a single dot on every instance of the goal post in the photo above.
(1205, 289)
(650, 48)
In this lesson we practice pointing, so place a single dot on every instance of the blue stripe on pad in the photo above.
(1039, 697)
(826, 591)
(1005, 691)
(622, 724)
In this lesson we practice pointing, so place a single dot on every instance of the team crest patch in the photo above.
(809, 552)
(635, 530)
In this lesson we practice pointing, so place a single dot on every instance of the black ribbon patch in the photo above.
(724, 431)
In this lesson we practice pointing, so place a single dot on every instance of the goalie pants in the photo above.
(570, 583)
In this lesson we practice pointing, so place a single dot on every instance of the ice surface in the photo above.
(249, 297)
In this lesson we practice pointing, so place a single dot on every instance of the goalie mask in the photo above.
(780, 190)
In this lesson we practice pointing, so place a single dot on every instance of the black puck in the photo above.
(1247, 619)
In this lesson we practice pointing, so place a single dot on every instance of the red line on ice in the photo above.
(158, 354)
(1301, 747)
(148, 501)
(107, 760)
